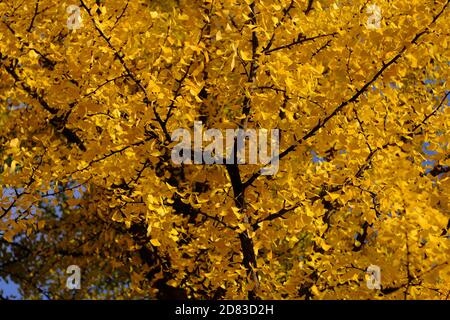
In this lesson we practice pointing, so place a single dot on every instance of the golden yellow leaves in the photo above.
(185, 61)
(155, 242)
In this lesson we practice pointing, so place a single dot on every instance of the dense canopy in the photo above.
(89, 98)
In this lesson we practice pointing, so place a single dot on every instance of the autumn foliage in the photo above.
(86, 175)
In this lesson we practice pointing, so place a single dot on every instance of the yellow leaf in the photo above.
(155, 242)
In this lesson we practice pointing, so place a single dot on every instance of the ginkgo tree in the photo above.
(87, 113)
